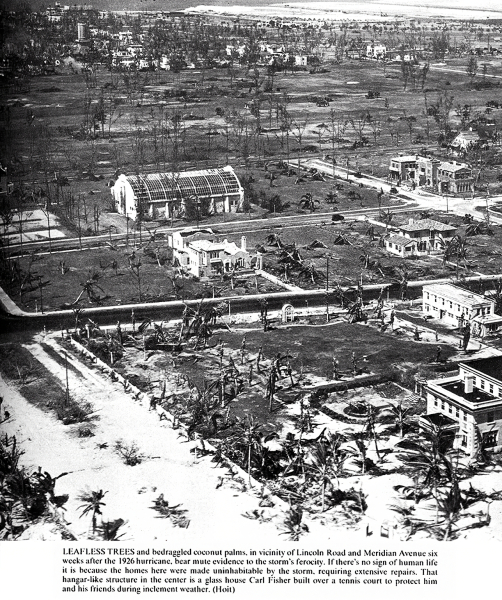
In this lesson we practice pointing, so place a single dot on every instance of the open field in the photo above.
(136, 133)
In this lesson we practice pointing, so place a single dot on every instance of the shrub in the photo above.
(72, 412)
(129, 452)
(174, 513)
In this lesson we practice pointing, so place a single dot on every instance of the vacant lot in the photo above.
(310, 350)
(104, 276)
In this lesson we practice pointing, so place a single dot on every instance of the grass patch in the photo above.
(39, 387)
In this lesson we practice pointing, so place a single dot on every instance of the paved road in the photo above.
(238, 227)
(422, 199)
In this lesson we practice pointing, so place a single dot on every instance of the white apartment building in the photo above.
(454, 305)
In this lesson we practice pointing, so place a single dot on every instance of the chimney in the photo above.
(410, 221)
(468, 384)
(244, 243)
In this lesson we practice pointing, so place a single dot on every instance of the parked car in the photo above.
(337, 217)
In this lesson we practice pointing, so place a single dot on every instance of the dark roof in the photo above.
(492, 367)
(400, 240)
(440, 420)
(457, 388)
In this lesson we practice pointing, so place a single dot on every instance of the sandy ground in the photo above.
(358, 11)
(215, 501)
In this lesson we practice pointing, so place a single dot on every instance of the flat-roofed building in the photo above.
(454, 305)
(447, 177)
(471, 403)
(403, 168)
(455, 178)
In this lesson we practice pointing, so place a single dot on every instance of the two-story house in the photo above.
(471, 404)
(403, 168)
(447, 177)
(202, 255)
(455, 178)
(420, 237)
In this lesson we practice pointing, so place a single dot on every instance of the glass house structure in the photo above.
(166, 194)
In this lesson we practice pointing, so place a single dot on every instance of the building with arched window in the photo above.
(169, 194)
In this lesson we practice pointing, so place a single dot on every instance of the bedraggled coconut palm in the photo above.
(92, 504)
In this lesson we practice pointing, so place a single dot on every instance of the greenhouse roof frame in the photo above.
(162, 187)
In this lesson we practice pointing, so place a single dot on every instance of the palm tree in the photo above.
(92, 504)
(326, 461)
(320, 466)
(90, 287)
(371, 420)
(293, 526)
(360, 449)
(427, 456)
(400, 416)
(456, 247)
(311, 272)
(274, 239)
(331, 197)
(450, 506)
(307, 201)
(248, 434)
(77, 313)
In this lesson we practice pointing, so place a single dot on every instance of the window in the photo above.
(481, 384)
(457, 412)
(442, 404)
(490, 416)
(463, 440)
(490, 388)
(489, 439)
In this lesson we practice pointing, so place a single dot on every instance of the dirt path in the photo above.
(214, 508)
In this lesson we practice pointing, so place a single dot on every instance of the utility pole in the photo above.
(67, 393)
(327, 289)
(41, 294)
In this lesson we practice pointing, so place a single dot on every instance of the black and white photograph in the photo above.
(250, 288)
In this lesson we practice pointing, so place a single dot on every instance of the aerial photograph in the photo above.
(251, 271)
